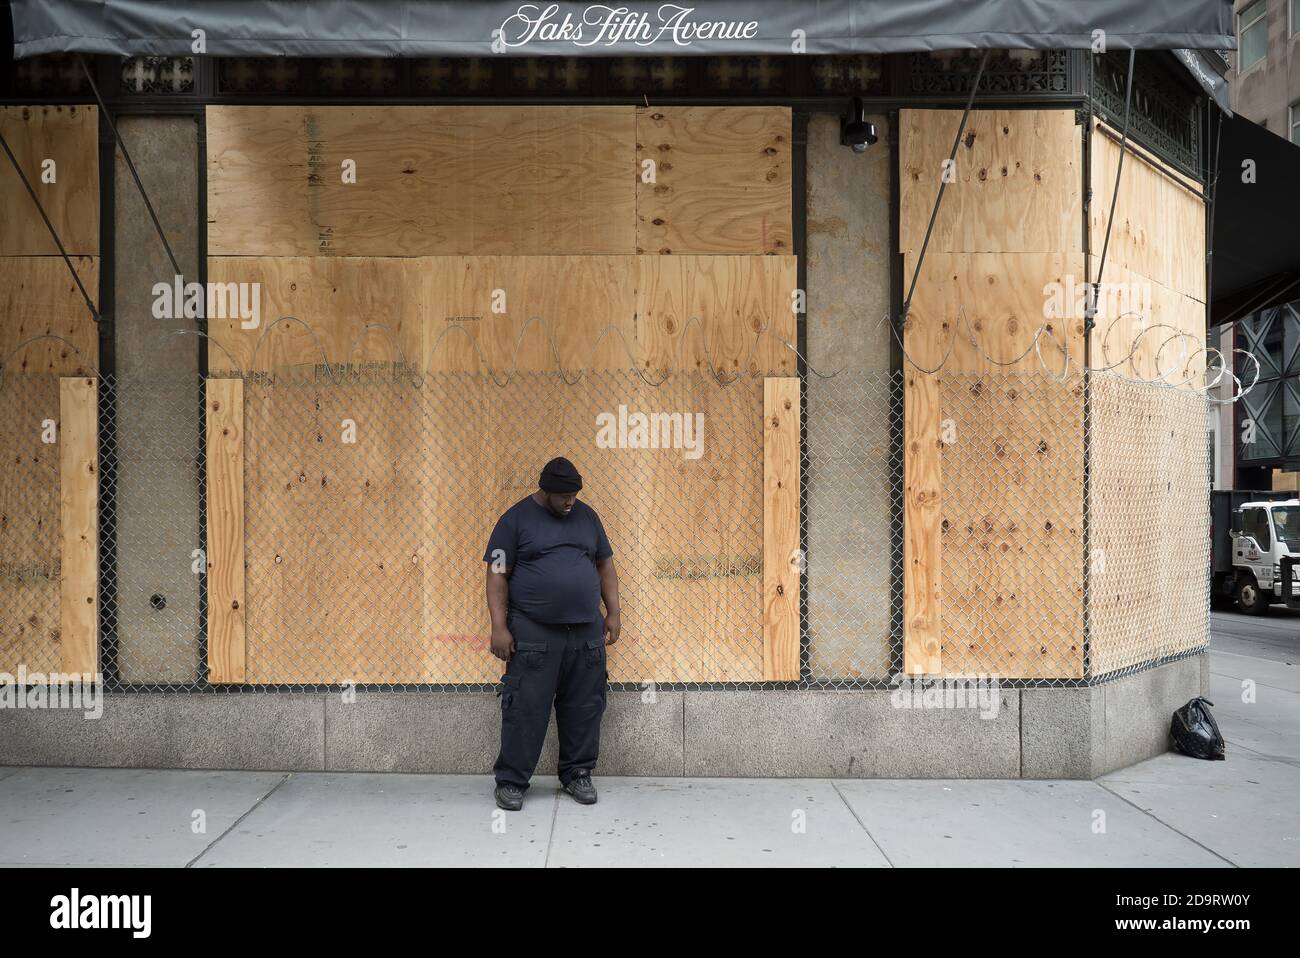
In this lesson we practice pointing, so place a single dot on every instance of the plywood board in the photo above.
(471, 472)
(716, 315)
(1159, 221)
(701, 535)
(984, 311)
(39, 299)
(723, 315)
(79, 524)
(922, 545)
(530, 313)
(1012, 525)
(365, 561)
(993, 470)
(1156, 334)
(31, 533)
(992, 449)
(1015, 186)
(58, 150)
(227, 602)
(361, 310)
(719, 180)
(781, 556)
(334, 494)
(429, 180)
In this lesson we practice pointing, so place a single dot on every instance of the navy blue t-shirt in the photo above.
(553, 558)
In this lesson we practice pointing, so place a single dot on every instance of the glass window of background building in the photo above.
(1252, 35)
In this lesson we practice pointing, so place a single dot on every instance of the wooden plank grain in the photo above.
(429, 180)
(353, 309)
(721, 180)
(78, 524)
(993, 466)
(225, 551)
(45, 326)
(455, 313)
(781, 566)
(58, 150)
(1159, 221)
(30, 536)
(1016, 184)
(922, 543)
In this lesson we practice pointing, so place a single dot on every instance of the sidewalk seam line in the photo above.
(862, 825)
(1263, 685)
(252, 808)
(550, 839)
(1280, 759)
(1157, 818)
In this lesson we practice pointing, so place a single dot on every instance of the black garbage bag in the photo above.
(1195, 732)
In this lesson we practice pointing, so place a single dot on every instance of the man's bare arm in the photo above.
(503, 643)
(609, 593)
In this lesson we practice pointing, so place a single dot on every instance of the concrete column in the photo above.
(157, 408)
(848, 476)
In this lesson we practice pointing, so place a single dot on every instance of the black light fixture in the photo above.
(855, 132)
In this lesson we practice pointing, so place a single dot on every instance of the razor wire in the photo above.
(370, 490)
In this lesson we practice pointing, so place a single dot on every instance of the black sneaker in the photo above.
(580, 787)
(509, 797)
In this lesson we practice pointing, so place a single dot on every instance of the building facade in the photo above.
(929, 471)
(1264, 430)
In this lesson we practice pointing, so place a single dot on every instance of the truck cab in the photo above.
(1265, 549)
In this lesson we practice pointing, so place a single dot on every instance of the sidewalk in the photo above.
(1170, 811)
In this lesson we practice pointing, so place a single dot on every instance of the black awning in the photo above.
(1256, 261)
(1209, 70)
(398, 28)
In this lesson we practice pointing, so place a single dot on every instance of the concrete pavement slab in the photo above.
(711, 822)
(1173, 768)
(1278, 675)
(1014, 824)
(387, 820)
(1270, 724)
(96, 816)
(1243, 808)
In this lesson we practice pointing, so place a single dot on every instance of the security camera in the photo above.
(855, 132)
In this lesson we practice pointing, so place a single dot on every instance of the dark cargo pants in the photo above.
(562, 665)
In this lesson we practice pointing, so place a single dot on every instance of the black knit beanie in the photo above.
(559, 476)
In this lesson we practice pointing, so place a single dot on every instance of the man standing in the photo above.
(549, 566)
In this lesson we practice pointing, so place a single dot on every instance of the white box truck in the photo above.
(1255, 549)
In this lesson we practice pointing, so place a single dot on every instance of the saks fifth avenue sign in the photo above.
(602, 25)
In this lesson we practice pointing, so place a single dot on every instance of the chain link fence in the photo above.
(1070, 542)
